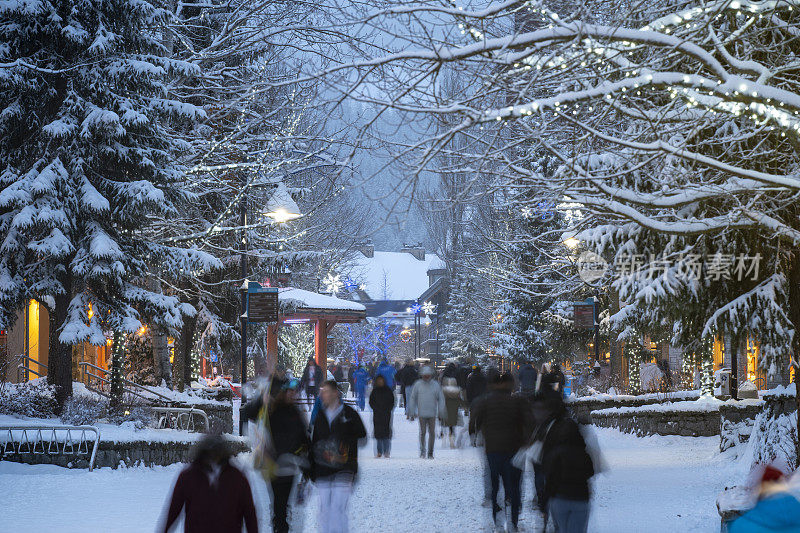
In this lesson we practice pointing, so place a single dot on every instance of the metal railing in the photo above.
(25, 368)
(180, 418)
(49, 440)
(128, 386)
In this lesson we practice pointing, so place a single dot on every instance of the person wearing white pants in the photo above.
(334, 494)
(337, 433)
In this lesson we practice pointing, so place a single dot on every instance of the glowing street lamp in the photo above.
(281, 207)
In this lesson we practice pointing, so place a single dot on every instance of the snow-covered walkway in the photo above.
(651, 484)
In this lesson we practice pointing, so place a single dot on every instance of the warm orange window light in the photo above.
(142, 330)
(33, 333)
(89, 311)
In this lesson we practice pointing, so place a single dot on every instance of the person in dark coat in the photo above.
(312, 379)
(506, 423)
(449, 371)
(554, 378)
(567, 466)
(338, 374)
(476, 384)
(382, 401)
(214, 494)
(336, 435)
(406, 377)
(279, 379)
(527, 379)
(462, 374)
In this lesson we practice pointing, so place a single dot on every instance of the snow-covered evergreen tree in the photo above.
(89, 160)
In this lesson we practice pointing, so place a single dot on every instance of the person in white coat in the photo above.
(426, 402)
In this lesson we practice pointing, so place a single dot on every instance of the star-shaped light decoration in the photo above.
(333, 283)
(428, 308)
(415, 308)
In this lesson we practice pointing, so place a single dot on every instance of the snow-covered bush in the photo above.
(82, 410)
(137, 416)
(774, 437)
(34, 398)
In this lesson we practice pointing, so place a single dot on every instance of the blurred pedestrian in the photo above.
(407, 376)
(426, 401)
(453, 400)
(382, 401)
(388, 372)
(777, 508)
(476, 384)
(527, 380)
(567, 466)
(311, 380)
(351, 369)
(361, 378)
(336, 435)
(214, 495)
(554, 378)
(506, 423)
(287, 450)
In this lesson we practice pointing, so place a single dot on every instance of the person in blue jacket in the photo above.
(777, 510)
(388, 372)
(361, 378)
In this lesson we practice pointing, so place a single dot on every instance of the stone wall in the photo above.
(115, 454)
(698, 423)
(737, 421)
(581, 408)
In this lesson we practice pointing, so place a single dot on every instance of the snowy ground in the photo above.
(651, 484)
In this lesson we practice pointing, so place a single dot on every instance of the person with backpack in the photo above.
(337, 433)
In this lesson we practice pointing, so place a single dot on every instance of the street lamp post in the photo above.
(280, 208)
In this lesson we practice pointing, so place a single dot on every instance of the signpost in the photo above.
(585, 314)
(262, 303)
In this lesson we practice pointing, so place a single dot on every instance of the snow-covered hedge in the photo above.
(33, 398)
(83, 410)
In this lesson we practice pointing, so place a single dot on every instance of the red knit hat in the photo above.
(771, 474)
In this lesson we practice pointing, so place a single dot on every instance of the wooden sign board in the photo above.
(262, 305)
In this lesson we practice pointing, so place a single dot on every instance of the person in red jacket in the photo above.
(214, 494)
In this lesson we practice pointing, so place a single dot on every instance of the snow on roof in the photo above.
(311, 300)
(394, 275)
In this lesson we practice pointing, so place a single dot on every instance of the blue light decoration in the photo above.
(415, 308)
(546, 208)
(380, 339)
(350, 285)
